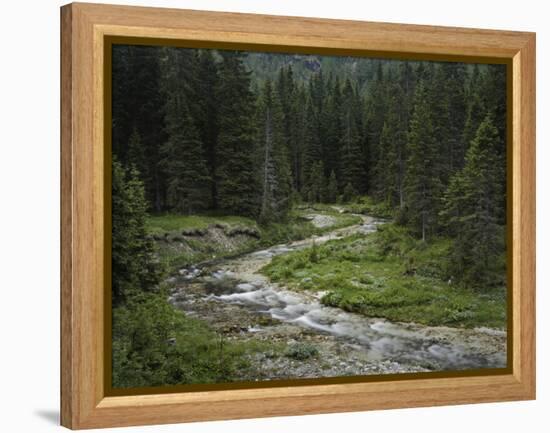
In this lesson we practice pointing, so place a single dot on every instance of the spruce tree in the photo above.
(351, 167)
(275, 171)
(238, 189)
(137, 152)
(205, 114)
(472, 211)
(332, 188)
(134, 267)
(316, 184)
(475, 109)
(439, 106)
(423, 187)
(138, 107)
(313, 153)
(333, 117)
(299, 133)
(455, 78)
(375, 116)
(188, 181)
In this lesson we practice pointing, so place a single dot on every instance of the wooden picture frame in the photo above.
(84, 29)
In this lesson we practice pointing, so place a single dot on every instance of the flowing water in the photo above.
(233, 292)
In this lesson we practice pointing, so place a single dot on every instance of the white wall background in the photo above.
(29, 215)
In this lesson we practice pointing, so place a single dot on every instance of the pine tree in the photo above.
(375, 116)
(275, 171)
(205, 114)
(316, 184)
(134, 267)
(137, 152)
(455, 78)
(423, 187)
(476, 109)
(313, 153)
(439, 106)
(472, 211)
(333, 118)
(238, 190)
(349, 193)
(188, 181)
(299, 127)
(351, 167)
(332, 188)
(138, 107)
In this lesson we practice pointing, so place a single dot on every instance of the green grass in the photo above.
(390, 274)
(154, 344)
(366, 205)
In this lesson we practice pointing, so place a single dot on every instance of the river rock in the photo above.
(245, 287)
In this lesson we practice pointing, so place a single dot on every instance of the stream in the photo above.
(238, 301)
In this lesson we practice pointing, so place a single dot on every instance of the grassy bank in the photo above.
(154, 344)
(189, 239)
(390, 274)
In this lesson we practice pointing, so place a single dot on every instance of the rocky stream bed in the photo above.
(243, 305)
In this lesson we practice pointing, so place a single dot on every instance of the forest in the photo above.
(250, 143)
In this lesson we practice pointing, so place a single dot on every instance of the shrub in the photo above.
(301, 351)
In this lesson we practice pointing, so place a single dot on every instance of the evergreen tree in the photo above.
(238, 190)
(206, 114)
(475, 110)
(439, 105)
(423, 187)
(332, 188)
(316, 184)
(137, 152)
(472, 211)
(313, 153)
(455, 78)
(299, 138)
(333, 118)
(188, 181)
(134, 267)
(375, 116)
(351, 168)
(275, 171)
(138, 108)
(349, 193)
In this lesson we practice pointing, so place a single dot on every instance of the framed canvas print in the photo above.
(270, 216)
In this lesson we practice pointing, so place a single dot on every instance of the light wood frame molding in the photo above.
(83, 29)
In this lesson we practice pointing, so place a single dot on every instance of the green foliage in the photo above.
(349, 193)
(177, 249)
(351, 164)
(301, 351)
(390, 274)
(134, 265)
(156, 345)
(275, 171)
(238, 189)
(368, 206)
(188, 189)
(332, 188)
(423, 186)
(315, 187)
(472, 212)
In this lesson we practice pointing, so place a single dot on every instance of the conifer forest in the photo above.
(289, 216)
